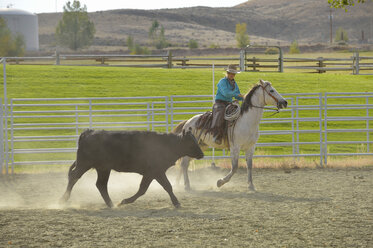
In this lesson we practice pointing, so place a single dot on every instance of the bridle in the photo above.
(277, 110)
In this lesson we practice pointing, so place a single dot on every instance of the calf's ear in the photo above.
(189, 130)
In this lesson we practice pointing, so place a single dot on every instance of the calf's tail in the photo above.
(179, 128)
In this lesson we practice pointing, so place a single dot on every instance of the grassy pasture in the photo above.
(48, 81)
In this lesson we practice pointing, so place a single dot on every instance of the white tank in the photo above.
(25, 23)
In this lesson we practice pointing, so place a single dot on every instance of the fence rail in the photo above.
(45, 131)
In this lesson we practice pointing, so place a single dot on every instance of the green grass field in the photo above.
(47, 81)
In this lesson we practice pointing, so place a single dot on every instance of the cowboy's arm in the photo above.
(237, 93)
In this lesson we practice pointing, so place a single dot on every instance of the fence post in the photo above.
(356, 63)
(367, 125)
(77, 125)
(242, 60)
(172, 112)
(320, 129)
(57, 58)
(254, 64)
(90, 113)
(12, 134)
(1, 137)
(297, 121)
(280, 61)
(321, 64)
(292, 127)
(326, 129)
(166, 114)
(169, 59)
(152, 116)
(5, 118)
(148, 115)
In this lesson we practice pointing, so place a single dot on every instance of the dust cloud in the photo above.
(43, 191)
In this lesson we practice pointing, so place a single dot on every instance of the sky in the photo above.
(48, 6)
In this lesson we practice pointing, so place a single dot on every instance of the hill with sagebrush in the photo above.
(272, 21)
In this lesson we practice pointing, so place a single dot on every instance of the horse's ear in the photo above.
(183, 133)
(261, 81)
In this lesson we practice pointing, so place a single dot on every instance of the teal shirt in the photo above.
(226, 92)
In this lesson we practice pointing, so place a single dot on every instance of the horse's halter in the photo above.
(269, 93)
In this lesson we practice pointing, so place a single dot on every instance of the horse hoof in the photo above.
(125, 201)
(177, 205)
(220, 183)
(252, 188)
(63, 199)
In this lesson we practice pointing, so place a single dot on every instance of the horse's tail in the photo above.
(179, 128)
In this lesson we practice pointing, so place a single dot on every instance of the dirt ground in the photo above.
(291, 208)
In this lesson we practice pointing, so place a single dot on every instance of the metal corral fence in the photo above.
(255, 61)
(46, 131)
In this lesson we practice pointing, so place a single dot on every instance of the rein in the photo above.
(277, 110)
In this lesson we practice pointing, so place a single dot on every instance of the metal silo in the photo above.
(25, 23)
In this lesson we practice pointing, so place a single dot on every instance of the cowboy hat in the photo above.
(232, 69)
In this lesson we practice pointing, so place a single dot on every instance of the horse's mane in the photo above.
(246, 104)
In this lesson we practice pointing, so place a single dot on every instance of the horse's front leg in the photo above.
(235, 153)
(184, 166)
(249, 163)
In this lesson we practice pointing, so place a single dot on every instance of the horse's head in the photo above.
(271, 96)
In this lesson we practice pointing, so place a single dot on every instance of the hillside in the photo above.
(272, 21)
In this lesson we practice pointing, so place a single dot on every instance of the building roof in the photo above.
(9, 11)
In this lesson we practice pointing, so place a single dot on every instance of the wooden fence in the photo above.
(356, 64)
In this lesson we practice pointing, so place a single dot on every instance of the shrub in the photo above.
(213, 45)
(294, 47)
(193, 44)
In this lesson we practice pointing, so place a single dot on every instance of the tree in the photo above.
(75, 30)
(344, 3)
(130, 42)
(341, 36)
(157, 35)
(242, 37)
(10, 46)
(136, 48)
(294, 47)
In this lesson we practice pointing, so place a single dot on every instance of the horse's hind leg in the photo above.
(144, 185)
(184, 166)
(75, 172)
(235, 154)
(101, 184)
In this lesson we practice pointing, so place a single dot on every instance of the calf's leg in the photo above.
(162, 180)
(75, 172)
(101, 184)
(144, 185)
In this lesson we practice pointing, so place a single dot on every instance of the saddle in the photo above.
(204, 124)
